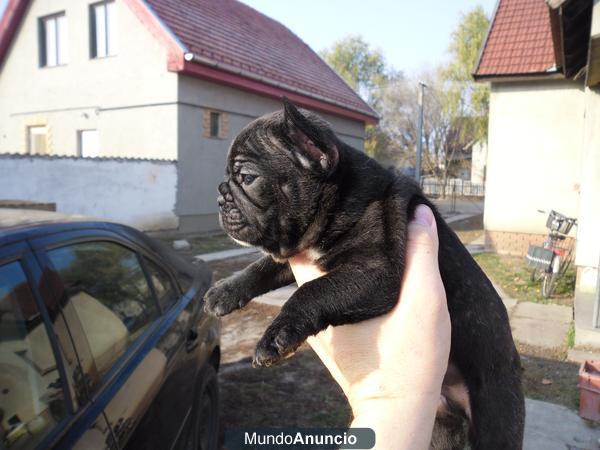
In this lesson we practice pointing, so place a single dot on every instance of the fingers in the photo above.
(422, 288)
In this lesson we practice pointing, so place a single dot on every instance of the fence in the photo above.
(453, 188)
(137, 192)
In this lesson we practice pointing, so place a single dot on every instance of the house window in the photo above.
(53, 37)
(88, 143)
(103, 29)
(37, 140)
(216, 124)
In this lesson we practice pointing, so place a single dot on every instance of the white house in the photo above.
(543, 62)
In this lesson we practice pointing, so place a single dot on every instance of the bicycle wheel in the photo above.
(549, 284)
(536, 275)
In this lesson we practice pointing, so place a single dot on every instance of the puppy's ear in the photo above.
(314, 143)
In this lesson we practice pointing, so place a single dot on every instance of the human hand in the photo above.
(391, 367)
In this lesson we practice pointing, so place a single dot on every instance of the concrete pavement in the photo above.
(225, 254)
(555, 427)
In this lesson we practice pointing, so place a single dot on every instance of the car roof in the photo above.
(21, 224)
(18, 224)
(15, 218)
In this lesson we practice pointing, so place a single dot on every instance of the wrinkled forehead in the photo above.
(261, 138)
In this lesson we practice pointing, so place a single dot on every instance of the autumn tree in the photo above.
(366, 71)
(464, 97)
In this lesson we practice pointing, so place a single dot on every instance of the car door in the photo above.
(37, 406)
(129, 335)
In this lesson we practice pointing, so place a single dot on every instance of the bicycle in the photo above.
(550, 261)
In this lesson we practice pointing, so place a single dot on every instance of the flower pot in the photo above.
(589, 390)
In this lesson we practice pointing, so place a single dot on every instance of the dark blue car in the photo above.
(103, 341)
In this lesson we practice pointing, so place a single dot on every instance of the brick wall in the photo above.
(516, 244)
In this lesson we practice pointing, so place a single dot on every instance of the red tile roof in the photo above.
(234, 45)
(519, 41)
(236, 36)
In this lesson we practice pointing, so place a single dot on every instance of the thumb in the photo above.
(422, 295)
(422, 248)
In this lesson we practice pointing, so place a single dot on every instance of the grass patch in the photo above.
(571, 336)
(514, 277)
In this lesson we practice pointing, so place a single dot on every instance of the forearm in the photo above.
(399, 424)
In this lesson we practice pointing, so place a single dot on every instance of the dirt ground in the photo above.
(300, 391)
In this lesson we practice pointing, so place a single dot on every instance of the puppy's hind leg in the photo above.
(237, 290)
(498, 413)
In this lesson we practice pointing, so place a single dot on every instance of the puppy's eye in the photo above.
(248, 179)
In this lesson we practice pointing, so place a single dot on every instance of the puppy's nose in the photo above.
(223, 189)
(220, 200)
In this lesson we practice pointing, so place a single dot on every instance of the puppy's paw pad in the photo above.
(276, 344)
(222, 299)
(265, 356)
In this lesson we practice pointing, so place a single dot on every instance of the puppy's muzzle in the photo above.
(229, 210)
(225, 197)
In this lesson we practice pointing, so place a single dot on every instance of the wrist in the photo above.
(398, 423)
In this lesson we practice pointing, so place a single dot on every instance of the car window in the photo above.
(31, 395)
(165, 291)
(108, 291)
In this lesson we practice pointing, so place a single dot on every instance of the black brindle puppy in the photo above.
(291, 185)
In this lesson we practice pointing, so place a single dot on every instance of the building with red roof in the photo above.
(159, 79)
(542, 60)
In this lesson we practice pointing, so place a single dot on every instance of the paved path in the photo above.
(554, 427)
(225, 254)
(462, 206)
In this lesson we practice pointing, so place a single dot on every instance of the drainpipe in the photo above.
(596, 316)
(419, 150)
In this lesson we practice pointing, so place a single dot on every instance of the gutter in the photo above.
(551, 74)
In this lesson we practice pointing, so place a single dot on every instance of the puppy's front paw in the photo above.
(278, 342)
(224, 297)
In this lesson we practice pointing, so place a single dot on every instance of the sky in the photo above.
(412, 35)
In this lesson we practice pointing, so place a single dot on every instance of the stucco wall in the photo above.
(534, 154)
(134, 192)
(478, 163)
(130, 98)
(588, 236)
(202, 160)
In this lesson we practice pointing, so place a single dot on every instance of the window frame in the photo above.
(131, 354)
(172, 279)
(216, 124)
(21, 252)
(42, 44)
(93, 44)
(80, 134)
(29, 135)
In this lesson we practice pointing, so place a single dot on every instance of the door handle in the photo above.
(191, 341)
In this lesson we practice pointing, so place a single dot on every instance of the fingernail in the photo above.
(423, 215)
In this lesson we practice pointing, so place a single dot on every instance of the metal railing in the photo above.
(453, 188)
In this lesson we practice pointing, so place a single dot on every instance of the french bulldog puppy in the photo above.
(292, 185)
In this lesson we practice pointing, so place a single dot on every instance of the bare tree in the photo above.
(446, 133)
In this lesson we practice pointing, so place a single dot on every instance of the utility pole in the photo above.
(422, 87)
